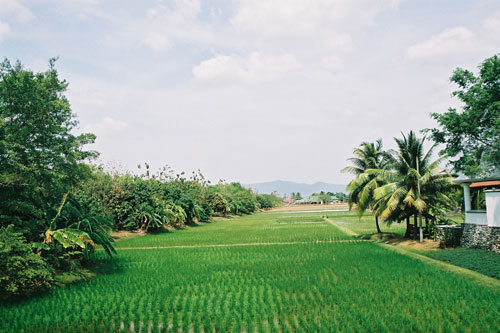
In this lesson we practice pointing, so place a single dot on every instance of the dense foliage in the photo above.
(40, 160)
(472, 135)
(21, 271)
(165, 199)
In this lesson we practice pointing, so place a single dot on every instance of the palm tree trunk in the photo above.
(415, 229)
(407, 233)
(376, 223)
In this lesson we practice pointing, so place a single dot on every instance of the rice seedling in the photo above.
(307, 286)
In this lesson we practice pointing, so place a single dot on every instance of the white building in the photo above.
(490, 216)
(482, 219)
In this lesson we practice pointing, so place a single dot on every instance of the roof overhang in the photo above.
(485, 184)
(461, 180)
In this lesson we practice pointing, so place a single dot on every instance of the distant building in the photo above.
(312, 199)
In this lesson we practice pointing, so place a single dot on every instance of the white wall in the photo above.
(476, 217)
(493, 207)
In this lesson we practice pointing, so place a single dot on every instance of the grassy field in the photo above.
(269, 272)
(366, 224)
(482, 261)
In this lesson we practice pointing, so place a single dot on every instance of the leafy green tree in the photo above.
(414, 186)
(472, 135)
(368, 156)
(40, 159)
(325, 197)
(219, 204)
(266, 201)
(341, 196)
(21, 271)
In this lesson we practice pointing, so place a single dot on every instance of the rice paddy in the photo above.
(268, 272)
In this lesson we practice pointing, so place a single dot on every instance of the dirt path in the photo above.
(342, 228)
(310, 208)
(241, 244)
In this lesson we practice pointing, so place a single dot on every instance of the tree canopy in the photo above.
(368, 156)
(40, 158)
(472, 135)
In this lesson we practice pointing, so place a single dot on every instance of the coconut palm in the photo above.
(368, 156)
(414, 186)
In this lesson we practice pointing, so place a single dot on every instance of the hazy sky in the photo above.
(251, 90)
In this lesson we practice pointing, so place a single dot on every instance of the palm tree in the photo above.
(414, 186)
(368, 156)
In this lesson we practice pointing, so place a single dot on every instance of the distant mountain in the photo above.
(286, 187)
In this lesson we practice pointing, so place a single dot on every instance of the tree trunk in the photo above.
(407, 233)
(376, 223)
(415, 229)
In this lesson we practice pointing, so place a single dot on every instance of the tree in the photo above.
(21, 271)
(472, 135)
(368, 156)
(414, 185)
(40, 159)
(219, 204)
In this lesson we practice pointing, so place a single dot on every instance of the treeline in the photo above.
(56, 207)
(165, 199)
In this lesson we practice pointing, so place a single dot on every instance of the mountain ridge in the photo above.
(285, 187)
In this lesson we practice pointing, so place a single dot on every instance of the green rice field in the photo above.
(268, 272)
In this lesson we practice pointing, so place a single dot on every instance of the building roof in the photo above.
(485, 183)
(464, 180)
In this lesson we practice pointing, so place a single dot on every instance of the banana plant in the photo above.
(175, 215)
(81, 231)
(96, 227)
(67, 237)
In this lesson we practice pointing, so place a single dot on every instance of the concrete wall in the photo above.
(493, 207)
(478, 217)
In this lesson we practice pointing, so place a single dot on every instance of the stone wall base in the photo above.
(448, 235)
(481, 236)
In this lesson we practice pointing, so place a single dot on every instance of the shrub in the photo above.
(22, 272)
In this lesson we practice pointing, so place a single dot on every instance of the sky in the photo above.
(251, 90)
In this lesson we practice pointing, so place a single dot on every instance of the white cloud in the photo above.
(157, 41)
(451, 41)
(303, 17)
(490, 32)
(333, 63)
(255, 68)
(338, 41)
(492, 23)
(106, 126)
(4, 30)
(15, 9)
(166, 24)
